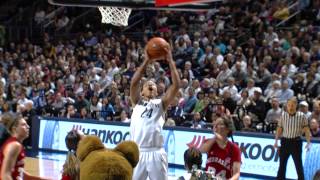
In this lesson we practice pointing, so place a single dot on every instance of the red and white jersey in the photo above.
(220, 161)
(17, 172)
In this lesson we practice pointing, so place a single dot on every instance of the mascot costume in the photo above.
(100, 163)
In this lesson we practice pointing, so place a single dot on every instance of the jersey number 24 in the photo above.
(147, 113)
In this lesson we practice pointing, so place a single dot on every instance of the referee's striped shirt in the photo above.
(292, 125)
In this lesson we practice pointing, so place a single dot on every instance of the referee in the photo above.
(291, 126)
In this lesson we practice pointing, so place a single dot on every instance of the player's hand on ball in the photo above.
(146, 57)
(168, 54)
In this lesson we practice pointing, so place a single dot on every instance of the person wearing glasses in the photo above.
(147, 121)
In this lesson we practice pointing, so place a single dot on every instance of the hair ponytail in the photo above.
(72, 166)
(192, 157)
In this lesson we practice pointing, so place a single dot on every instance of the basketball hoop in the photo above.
(117, 16)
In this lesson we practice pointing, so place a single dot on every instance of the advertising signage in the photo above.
(257, 152)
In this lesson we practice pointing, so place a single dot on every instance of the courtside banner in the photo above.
(258, 155)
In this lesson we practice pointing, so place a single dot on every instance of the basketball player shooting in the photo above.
(147, 121)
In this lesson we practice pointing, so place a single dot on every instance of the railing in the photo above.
(49, 19)
(20, 25)
(294, 10)
(76, 19)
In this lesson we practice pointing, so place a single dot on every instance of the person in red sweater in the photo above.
(12, 153)
(224, 156)
(71, 166)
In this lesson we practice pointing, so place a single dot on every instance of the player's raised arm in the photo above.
(174, 87)
(135, 81)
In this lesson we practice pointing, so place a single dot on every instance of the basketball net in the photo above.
(115, 15)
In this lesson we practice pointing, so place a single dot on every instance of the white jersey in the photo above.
(146, 125)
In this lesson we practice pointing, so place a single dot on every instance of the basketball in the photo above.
(156, 48)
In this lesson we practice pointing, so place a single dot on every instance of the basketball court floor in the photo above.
(49, 165)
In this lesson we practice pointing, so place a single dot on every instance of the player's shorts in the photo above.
(153, 163)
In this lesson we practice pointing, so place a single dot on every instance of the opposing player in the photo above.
(147, 121)
(224, 157)
(12, 152)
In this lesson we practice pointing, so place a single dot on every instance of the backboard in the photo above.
(177, 5)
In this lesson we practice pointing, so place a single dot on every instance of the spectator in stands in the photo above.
(188, 68)
(22, 98)
(239, 75)
(304, 108)
(263, 76)
(95, 107)
(107, 111)
(270, 35)
(244, 101)
(239, 58)
(305, 64)
(286, 92)
(84, 113)
(200, 104)
(197, 53)
(124, 117)
(228, 102)
(161, 89)
(285, 76)
(273, 114)
(273, 91)
(247, 125)
(205, 58)
(250, 87)
(224, 74)
(130, 70)
(71, 112)
(58, 104)
(197, 122)
(91, 40)
(118, 107)
(175, 111)
(257, 106)
(231, 88)
(314, 128)
(39, 16)
(310, 85)
(298, 86)
(190, 102)
(62, 22)
(81, 102)
(157, 68)
(316, 110)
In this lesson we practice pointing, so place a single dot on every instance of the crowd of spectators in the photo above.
(88, 77)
